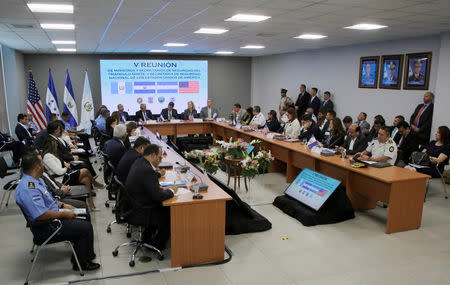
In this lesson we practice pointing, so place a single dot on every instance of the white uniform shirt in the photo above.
(292, 129)
(258, 119)
(388, 148)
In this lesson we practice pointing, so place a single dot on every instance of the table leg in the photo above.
(245, 182)
(235, 177)
(229, 174)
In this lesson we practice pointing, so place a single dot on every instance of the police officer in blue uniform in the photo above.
(38, 204)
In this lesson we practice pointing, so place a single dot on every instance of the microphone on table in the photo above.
(182, 168)
(199, 186)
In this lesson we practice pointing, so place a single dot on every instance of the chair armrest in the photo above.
(44, 223)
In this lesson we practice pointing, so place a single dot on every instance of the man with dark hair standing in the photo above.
(314, 102)
(37, 204)
(363, 124)
(148, 193)
(302, 101)
(408, 142)
(422, 118)
(130, 157)
(327, 104)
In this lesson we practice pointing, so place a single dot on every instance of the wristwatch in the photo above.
(62, 206)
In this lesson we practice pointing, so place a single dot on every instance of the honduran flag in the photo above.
(51, 100)
(167, 87)
(144, 88)
(69, 102)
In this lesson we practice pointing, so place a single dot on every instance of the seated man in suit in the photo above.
(147, 193)
(41, 137)
(123, 115)
(326, 127)
(7, 143)
(100, 122)
(347, 121)
(382, 149)
(395, 134)
(130, 157)
(22, 130)
(115, 147)
(37, 204)
(363, 124)
(408, 142)
(310, 129)
(143, 114)
(169, 113)
(209, 112)
(355, 141)
(238, 114)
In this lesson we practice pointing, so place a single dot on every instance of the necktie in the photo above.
(144, 115)
(170, 115)
(416, 120)
(401, 141)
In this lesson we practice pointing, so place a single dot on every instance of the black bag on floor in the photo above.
(337, 209)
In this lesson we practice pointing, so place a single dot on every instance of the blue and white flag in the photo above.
(144, 88)
(121, 87)
(312, 142)
(167, 87)
(51, 100)
(69, 102)
(87, 106)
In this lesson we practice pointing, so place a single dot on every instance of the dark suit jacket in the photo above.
(325, 128)
(302, 103)
(40, 139)
(315, 104)
(359, 145)
(333, 141)
(115, 149)
(23, 135)
(409, 144)
(63, 150)
(187, 113)
(139, 115)
(312, 130)
(145, 192)
(326, 106)
(274, 125)
(424, 123)
(165, 114)
(125, 114)
(125, 164)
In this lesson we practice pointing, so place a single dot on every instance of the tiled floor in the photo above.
(352, 252)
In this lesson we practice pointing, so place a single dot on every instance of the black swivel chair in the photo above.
(133, 216)
(55, 226)
(119, 211)
(11, 185)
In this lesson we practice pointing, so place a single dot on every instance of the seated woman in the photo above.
(337, 134)
(190, 113)
(111, 122)
(64, 174)
(272, 121)
(321, 118)
(292, 128)
(439, 153)
(131, 132)
(248, 116)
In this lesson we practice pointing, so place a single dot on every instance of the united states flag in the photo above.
(188, 87)
(34, 105)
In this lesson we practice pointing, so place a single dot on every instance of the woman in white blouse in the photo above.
(58, 168)
(292, 127)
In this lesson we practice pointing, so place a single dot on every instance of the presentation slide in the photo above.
(155, 83)
(312, 188)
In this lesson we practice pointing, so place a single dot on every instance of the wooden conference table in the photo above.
(197, 227)
(401, 189)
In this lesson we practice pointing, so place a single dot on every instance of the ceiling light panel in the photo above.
(175, 45)
(50, 8)
(248, 18)
(211, 31)
(365, 27)
(66, 49)
(64, 42)
(223, 52)
(159, 50)
(51, 26)
(310, 36)
(253, 47)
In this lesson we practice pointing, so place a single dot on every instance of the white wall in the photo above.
(441, 114)
(15, 84)
(336, 70)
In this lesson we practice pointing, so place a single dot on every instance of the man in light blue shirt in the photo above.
(100, 122)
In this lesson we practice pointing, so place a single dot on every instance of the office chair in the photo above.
(119, 212)
(9, 186)
(55, 226)
(130, 216)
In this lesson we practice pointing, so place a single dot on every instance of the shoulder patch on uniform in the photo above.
(390, 141)
(391, 149)
(31, 185)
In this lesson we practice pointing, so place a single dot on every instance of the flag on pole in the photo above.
(69, 102)
(87, 106)
(51, 104)
(34, 105)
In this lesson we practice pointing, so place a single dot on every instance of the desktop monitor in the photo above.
(312, 188)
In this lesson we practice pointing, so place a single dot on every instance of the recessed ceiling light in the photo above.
(66, 49)
(50, 8)
(224, 52)
(175, 45)
(211, 31)
(365, 27)
(310, 37)
(159, 50)
(58, 26)
(253, 46)
(64, 42)
(248, 18)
